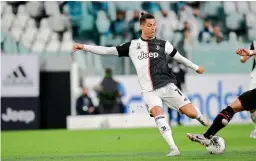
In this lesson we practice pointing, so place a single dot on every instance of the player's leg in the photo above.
(253, 117)
(178, 113)
(174, 98)
(244, 102)
(194, 113)
(219, 122)
(253, 112)
(154, 105)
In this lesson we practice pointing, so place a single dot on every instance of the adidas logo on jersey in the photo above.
(17, 77)
(144, 55)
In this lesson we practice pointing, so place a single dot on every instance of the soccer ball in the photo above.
(217, 145)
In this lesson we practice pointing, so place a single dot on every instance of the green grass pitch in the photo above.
(122, 145)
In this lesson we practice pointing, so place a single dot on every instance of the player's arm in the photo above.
(169, 49)
(121, 50)
(245, 52)
(240, 51)
(243, 59)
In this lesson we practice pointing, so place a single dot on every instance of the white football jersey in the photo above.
(253, 47)
(149, 59)
(252, 84)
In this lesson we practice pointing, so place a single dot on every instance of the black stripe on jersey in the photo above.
(160, 73)
(173, 52)
(123, 49)
(254, 61)
(149, 73)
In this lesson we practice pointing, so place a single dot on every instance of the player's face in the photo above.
(149, 27)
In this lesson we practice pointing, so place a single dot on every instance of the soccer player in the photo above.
(148, 55)
(245, 101)
(246, 55)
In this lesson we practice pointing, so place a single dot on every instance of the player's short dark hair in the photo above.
(145, 16)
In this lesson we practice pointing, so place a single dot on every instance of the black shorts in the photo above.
(248, 100)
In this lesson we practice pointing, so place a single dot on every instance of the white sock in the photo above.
(199, 116)
(165, 130)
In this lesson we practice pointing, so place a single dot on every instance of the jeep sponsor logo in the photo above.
(22, 116)
(144, 55)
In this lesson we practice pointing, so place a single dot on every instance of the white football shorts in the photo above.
(170, 95)
(252, 84)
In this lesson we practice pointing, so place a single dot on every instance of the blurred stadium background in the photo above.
(42, 78)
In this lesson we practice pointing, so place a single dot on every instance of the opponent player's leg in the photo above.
(219, 122)
(244, 102)
(154, 105)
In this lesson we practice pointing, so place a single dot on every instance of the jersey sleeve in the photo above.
(252, 46)
(169, 49)
(123, 49)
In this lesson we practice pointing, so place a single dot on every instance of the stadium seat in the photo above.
(29, 36)
(21, 18)
(16, 33)
(23, 49)
(38, 47)
(112, 10)
(253, 6)
(120, 5)
(67, 36)
(232, 37)
(7, 19)
(44, 31)
(233, 21)
(87, 23)
(3, 5)
(243, 7)
(165, 5)
(229, 7)
(174, 20)
(157, 14)
(10, 45)
(136, 5)
(57, 22)
(251, 20)
(252, 34)
(31, 23)
(3, 35)
(129, 15)
(102, 22)
(75, 11)
(103, 40)
(51, 8)
(54, 44)
(177, 38)
(211, 8)
(67, 42)
(35, 8)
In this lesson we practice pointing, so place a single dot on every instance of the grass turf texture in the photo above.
(122, 144)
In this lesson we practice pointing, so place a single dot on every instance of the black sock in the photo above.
(220, 121)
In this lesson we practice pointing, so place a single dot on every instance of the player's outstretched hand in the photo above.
(243, 52)
(200, 70)
(77, 47)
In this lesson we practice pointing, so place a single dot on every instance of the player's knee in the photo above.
(189, 111)
(156, 111)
